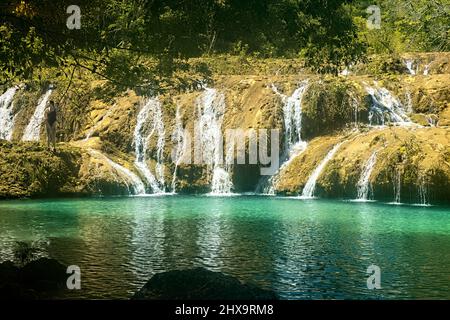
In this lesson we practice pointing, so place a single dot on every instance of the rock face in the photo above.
(40, 279)
(199, 284)
(29, 169)
(97, 150)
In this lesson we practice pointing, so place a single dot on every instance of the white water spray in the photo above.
(180, 146)
(363, 186)
(152, 108)
(397, 186)
(385, 106)
(410, 66)
(423, 191)
(33, 129)
(6, 113)
(128, 177)
(426, 70)
(210, 112)
(310, 186)
(293, 142)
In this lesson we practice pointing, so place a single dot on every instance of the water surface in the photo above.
(302, 249)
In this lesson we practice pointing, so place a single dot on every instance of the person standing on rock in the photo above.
(50, 122)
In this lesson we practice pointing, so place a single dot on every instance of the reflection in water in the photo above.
(301, 249)
(210, 236)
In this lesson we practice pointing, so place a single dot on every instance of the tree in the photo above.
(132, 41)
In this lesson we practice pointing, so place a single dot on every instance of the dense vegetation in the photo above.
(136, 43)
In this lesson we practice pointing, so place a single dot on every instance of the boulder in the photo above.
(40, 279)
(199, 284)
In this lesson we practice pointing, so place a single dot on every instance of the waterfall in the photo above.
(363, 185)
(431, 121)
(397, 186)
(426, 70)
(97, 125)
(221, 182)
(409, 106)
(33, 129)
(210, 112)
(6, 113)
(345, 72)
(385, 106)
(180, 147)
(151, 108)
(310, 186)
(293, 142)
(423, 192)
(129, 178)
(410, 67)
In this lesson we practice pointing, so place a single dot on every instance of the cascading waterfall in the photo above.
(410, 66)
(6, 113)
(151, 108)
(293, 142)
(128, 177)
(210, 111)
(180, 147)
(385, 106)
(363, 186)
(310, 186)
(33, 129)
(159, 126)
(292, 114)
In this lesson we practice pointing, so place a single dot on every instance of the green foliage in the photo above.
(406, 25)
(131, 42)
(328, 107)
(140, 43)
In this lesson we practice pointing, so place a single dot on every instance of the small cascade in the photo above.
(423, 192)
(151, 108)
(33, 129)
(180, 147)
(426, 70)
(221, 182)
(431, 121)
(345, 72)
(210, 112)
(409, 105)
(397, 186)
(6, 113)
(98, 124)
(310, 186)
(385, 107)
(293, 142)
(128, 177)
(363, 186)
(410, 66)
(292, 116)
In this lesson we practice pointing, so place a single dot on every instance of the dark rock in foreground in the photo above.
(40, 279)
(200, 284)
